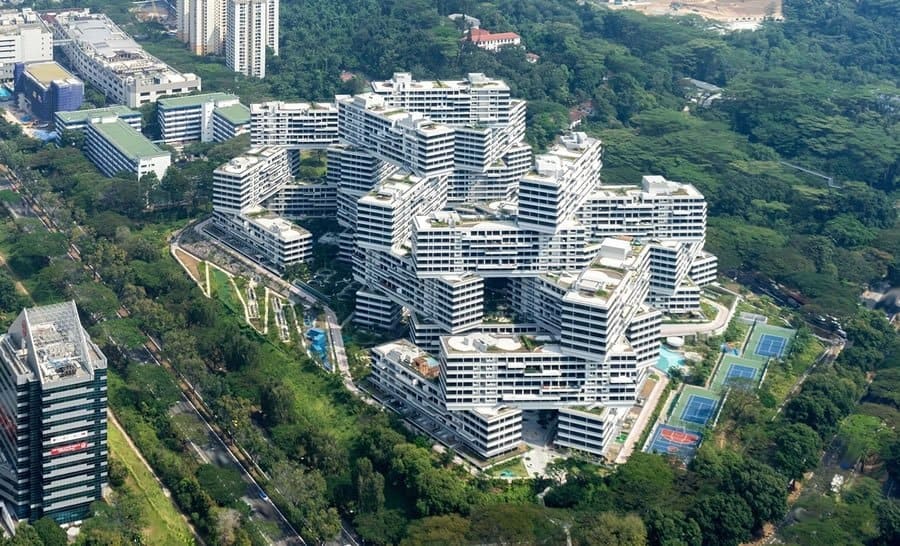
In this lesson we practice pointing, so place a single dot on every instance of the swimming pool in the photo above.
(669, 358)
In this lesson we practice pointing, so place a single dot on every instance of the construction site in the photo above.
(735, 14)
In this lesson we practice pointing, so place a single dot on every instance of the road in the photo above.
(264, 508)
(723, 316)
(339, 355)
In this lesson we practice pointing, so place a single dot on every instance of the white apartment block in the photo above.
(409, 140)
(384, 215)
(201, 25)
(239, 188)
(116, 147)
(273, 25)
(275, 240)
(230, 121)
(413, 376)
(300, 199)
(561, 181)
(294, 125)
(24, 38)
(113, 62)
(191, 119)
(209, 27)
(246, 36)
(248, 180)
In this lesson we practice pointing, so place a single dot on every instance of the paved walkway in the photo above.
(713, 327)
(642, 421)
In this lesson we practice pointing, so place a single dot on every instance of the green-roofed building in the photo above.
(78, 120)
(114, 146)
(195, 118)
(230, 121)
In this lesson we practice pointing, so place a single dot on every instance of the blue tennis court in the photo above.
(739, 372)
(770, 346)
(668, 440)
(699, 410)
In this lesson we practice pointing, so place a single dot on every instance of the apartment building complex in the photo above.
(246, 36)
(201, 25)
(240, 30)
(241, 188)
(116, 147)
(24, 38)
(439, 197)
(110, 60)
(211, 117)
(53, 444)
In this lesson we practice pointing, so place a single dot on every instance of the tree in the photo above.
(888, 513)
(369, 487)
(724, 519)
(278, 404)
(381, 528)
(796, 449)
(645, 477)
(670, 528)
(608, 529)
(449, 530)
(50, 532)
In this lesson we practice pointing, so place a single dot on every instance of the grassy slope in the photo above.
(164, 523)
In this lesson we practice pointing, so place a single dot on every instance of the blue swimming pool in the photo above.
(669, 358)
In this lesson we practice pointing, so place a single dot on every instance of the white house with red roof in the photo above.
(493, 42)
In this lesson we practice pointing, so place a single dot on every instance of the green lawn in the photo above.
(224, 290)
(164, 523)
(514, 468)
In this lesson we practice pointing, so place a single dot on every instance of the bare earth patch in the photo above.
(738, 13)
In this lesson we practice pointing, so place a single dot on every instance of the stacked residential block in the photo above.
(441, 200)
(240, 189)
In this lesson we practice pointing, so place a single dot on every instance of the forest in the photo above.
(817, 90)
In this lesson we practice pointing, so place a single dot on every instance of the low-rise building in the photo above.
(24, 38)
(53, 449)
(230, 121)
(78, 120)
(110, 60)
(46, 88)
(115, 147)
(192, 118)
(493, 41)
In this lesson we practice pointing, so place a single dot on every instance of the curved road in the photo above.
(723, 316)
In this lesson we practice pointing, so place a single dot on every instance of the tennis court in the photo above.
(768, 341)
(699, 409)
(668, 440)
(734, 370)
(738, 372)
(771, 346)
(694, 409)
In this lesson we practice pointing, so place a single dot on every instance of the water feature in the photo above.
(669, 358)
